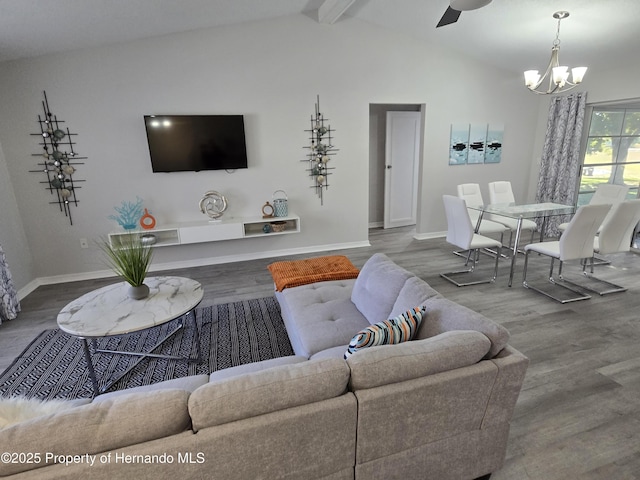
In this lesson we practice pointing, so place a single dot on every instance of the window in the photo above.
(612, 151)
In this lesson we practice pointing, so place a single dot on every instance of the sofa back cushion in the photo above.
(99, 427)
(267, 391)
(443, 315)
(376, 289)
(387, 364)
(414, 293)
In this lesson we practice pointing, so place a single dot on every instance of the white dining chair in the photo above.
(501, 193)
(471, 194)
(460, 232)
(616, 233)
(576, 243)
(606, 193)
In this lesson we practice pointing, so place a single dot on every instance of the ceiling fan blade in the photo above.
(449, 17)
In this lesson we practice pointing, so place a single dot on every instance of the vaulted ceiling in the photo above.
(509, 34)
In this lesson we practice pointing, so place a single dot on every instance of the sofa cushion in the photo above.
(99, 427)
(188, 384)
(401, 328)
(443, 315)
(320, 316)
(387, 364)
(376, 289)
(232, 372)
(333, 352)
(267, 391)
(415, 292)
(20, 409)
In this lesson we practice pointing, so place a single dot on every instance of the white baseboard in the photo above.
(28, 288)
(427, 236)
(75, 277)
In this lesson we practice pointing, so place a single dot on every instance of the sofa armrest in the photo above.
(512, 367)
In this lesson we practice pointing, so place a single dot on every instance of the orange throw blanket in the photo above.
(294, 273)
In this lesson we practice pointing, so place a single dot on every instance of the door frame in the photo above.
(377, 159)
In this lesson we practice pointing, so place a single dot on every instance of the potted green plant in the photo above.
(130, 260)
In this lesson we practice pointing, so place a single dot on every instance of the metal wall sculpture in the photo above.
(59, 160)
(320, 151)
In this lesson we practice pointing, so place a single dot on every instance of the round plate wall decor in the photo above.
(213, 204)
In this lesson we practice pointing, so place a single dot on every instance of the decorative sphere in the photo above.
(320, 179)
(65, 193)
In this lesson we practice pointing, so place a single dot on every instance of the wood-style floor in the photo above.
(578, 415)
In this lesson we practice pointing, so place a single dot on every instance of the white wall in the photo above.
(270, 71)
(12, 236)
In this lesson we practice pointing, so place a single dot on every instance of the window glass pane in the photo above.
(632, 122)
(591, 178)
(630, 173)
(612, 153)
(604, 123)
(628, 150)
(601, 149)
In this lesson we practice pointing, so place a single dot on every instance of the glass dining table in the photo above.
(519, 212)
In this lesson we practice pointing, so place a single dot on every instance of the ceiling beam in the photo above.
(331, 10)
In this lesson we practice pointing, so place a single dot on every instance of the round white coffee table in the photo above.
(109, 311)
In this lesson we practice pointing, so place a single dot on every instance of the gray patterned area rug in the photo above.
(54, 366)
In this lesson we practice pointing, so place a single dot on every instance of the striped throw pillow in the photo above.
(389, 332)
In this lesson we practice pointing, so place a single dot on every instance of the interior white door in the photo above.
(402, 157)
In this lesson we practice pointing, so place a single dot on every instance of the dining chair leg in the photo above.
(560, 270)
(495, 271)
(594, 284)
(579, 294)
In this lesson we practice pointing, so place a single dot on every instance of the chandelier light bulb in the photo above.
(531, 78)
(578, 74)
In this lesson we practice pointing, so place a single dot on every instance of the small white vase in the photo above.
(139, 292)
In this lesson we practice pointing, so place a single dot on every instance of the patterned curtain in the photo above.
(9, 304)
(560, 163)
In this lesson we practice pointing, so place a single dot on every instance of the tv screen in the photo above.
(182, 143)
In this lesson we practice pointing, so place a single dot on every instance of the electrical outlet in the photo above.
(84, 243)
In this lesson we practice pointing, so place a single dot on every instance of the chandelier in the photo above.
(557, 74)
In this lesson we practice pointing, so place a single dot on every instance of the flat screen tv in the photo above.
(185, 143)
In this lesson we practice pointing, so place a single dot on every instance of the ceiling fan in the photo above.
(456, 7)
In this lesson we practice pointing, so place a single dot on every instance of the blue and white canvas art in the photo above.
(477, 142)
(493, 150)
(459, 144)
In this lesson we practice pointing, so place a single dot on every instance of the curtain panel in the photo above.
(9, 303)
(560, 163)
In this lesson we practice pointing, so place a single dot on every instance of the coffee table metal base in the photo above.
(97, 390)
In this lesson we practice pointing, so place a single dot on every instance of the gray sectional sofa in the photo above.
(436, 407)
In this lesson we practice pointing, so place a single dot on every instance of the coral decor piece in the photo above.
(129, 214)
(60, 160)
(320, 151)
